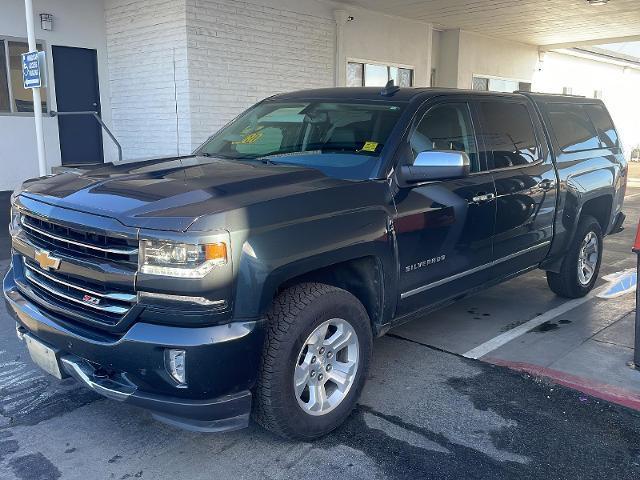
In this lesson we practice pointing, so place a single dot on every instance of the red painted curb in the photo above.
(600, 390)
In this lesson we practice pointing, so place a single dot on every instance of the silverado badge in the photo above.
(46, 261)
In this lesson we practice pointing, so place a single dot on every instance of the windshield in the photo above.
(343, 140)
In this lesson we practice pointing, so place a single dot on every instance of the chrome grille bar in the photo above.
(119, 297)
(119, 251)
(113, 309)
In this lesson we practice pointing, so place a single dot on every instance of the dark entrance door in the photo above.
(77, 90)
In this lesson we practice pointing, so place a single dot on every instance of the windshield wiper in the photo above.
(268, 158)
(221, 156)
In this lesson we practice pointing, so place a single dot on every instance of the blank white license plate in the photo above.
(43, 356)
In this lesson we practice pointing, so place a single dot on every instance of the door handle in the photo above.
(482, 197)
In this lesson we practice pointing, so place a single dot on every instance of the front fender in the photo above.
(271, 257)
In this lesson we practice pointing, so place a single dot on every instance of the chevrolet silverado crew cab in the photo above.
(249, 278)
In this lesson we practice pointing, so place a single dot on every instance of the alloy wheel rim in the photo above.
(588, 258)
(326, 367)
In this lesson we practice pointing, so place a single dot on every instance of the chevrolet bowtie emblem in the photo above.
(46, 261)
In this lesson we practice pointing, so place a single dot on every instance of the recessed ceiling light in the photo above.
(597, 2)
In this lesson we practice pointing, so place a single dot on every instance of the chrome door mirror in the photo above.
(437, 165)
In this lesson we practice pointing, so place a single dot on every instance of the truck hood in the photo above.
(172, 193)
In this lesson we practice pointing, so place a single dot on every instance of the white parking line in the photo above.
(504, 338)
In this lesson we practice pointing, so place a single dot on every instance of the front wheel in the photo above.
(314, 362)
(580, 267)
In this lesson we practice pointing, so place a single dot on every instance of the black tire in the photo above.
(294, 315)
(566, 283)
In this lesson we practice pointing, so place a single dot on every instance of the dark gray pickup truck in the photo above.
(250, 278)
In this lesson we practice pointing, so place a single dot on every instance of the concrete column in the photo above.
(449, 73)
(341, 17)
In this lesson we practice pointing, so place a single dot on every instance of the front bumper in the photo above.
(222, 364)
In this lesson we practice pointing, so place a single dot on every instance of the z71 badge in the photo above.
(424, 263)
(91, 300)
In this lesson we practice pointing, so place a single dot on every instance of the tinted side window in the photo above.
(604, 126)
(446, 127)
(509, 134)
(572, 127)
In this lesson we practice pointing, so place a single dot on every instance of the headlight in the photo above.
(172, 259)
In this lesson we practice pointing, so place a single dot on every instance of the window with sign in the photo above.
(14, 98)
(377, 75)
(494, 84)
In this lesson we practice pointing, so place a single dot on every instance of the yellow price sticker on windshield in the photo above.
(369, 147)
(249, 139)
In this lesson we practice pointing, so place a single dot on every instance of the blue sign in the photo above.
(31, 71)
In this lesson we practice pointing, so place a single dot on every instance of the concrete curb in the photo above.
(593, 388)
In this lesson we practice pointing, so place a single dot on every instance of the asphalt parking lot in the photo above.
(426, 412)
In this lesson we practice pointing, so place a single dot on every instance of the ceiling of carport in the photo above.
(538, 22)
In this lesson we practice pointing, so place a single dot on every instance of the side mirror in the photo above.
(437, 165)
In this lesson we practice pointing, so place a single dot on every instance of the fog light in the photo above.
(175, 361)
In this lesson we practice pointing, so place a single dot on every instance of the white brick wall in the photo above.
(142, 36)
(229, 54)
(241, 52)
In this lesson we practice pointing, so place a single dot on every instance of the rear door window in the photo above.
(509, 134)
(604, 126)
(572, 127)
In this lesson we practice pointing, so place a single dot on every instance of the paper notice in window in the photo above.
(369, 147)
(249, 139)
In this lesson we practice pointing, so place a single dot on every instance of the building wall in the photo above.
(485, 56)
(379, 38)
(462, 55)
(77, 23)
(619, 87)
(229, 55)
(242, 52)
(149, 97)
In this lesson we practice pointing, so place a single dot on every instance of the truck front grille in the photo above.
(109, 305)
(95, 282)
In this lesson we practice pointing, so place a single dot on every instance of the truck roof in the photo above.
(408, 94)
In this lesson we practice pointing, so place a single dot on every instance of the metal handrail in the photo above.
(99, 120)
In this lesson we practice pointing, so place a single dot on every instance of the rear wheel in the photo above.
(580, 267)
(314, 363)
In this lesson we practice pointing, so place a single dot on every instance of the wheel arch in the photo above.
(363, 277)
(598, 205)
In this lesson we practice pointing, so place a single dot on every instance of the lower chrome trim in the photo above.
(183, 298)
(437, 283)
(84, 374)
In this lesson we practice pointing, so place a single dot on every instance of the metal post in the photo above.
(37, 99)
(636, 354)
